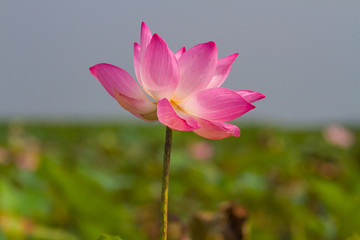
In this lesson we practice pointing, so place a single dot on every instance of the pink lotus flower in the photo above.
(181, 90)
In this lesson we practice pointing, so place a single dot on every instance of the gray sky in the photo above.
(303, 55)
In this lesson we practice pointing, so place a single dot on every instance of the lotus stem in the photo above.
(165, 185)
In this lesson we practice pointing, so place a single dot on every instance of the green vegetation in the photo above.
(70, 182)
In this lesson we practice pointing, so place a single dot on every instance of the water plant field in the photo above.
(77, 181)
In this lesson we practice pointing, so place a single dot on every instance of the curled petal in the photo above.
(250, 96)
(145, 38)
(197, 66)
(180, 52)
(222, 71)
(159, 69)
(217, 104)
(216, 130)
(168, 116)
(121, 86)
(112, 77)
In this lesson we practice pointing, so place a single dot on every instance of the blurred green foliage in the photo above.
(69, 182)
(107, 237)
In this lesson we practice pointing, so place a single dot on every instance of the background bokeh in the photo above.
(79, 181)
(74, 164)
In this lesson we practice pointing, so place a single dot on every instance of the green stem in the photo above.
(165, 185)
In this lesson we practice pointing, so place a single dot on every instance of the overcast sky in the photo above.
(303, 55)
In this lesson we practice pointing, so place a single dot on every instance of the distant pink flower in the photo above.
(338, 135)
(201, 150)
(184, 87)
